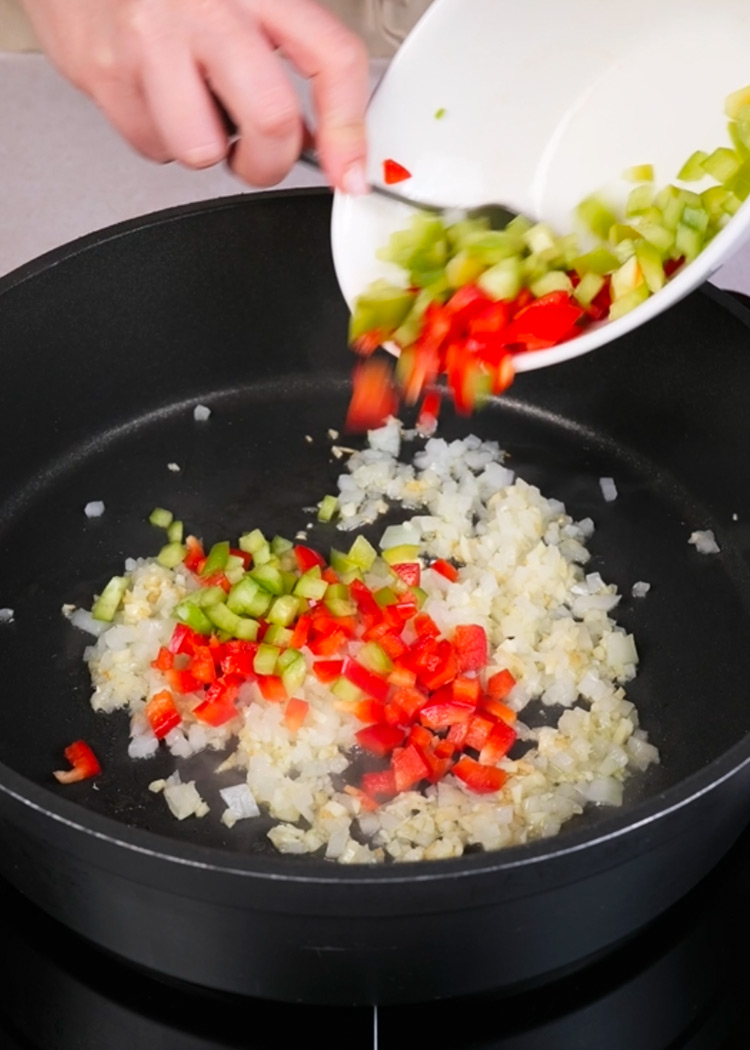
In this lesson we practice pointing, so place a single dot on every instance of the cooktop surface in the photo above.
(678, 985)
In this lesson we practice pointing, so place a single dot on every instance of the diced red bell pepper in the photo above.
(246, 556)
(437, 325)
(410, 700)
(481, 779)
(441, 716)
(500, 741)
(457, 735)
(598, 308)
(368, 681)
(347, 624)
(504, 374)
(490, 320)
(429, 413)
(424, 625)
(394, 714)
(445, 569)
(437, 765)
(162, 713)
(323, 622)
(408, 767)
(368, 711)
(327, 670)
(377, 629)
(409, 571)
(421, 737)
(272, 688)
(498, 710)
(470, 647)
(195, 557)
(443, 695)
(216, 647)
(373, 396)
(478, 732)
(466, 690)
(327, 644)
(419, 651)
(380, 739)
(445, 747)
(215, 712)
(263, 626)
(398, 613)
(164, 659)
(393, 645)
(368, 342)
(500, 684)
(394, 172)
(417, 367)
(216, 579)
(228, 686)
(364, 599)
(182, 681)
(83, 761)
(379, 785)
(545, 322)
(202, 666)
(295, 713)
(238, 658)
(300, 632)
(466, 304)
(184, 639)
(402, 677)
(307, 558)
(466, 379)
(441, 670)
(217, 706)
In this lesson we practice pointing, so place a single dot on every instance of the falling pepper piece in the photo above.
(373, 396)
(393, 172)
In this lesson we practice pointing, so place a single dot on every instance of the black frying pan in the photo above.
(107, 345)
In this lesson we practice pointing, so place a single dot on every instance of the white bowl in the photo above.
(544, 103)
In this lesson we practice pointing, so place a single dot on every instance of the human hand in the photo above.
(167, 73)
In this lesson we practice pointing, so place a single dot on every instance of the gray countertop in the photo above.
(66, 172)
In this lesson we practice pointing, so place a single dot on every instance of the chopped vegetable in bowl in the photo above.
(462, 687)
(471, 299)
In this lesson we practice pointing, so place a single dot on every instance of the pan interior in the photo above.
(109, 345)
(252, 465)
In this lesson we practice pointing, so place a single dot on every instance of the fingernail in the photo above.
(354, 181)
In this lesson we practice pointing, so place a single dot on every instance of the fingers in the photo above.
(251, 83)
(125, 107)
(180, 104)
(166, 73)
(337, 63)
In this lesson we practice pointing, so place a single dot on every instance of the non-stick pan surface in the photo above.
(107, 347)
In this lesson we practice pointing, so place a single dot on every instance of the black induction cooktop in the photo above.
(679, 985)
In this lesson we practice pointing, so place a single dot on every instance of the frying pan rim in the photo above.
(45, 802)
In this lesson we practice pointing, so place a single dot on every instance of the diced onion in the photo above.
(84, 621)
(240, 801)
(183, 799)
(704, 541)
